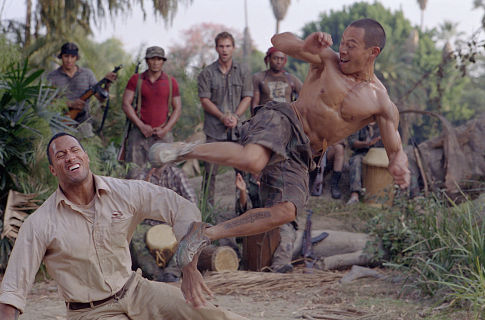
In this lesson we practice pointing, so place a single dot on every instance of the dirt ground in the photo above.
(323, 297)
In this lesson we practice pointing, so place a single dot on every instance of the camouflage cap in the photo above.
(155, 52)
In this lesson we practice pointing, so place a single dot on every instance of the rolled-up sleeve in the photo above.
(23, 265)
(203, 84)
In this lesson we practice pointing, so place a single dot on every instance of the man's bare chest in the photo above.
(348, 99)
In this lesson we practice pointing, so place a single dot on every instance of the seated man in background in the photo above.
(360, 143)
(334, 156)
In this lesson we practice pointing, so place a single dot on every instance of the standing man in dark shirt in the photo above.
(75, 80)
(225, 92)
(275, 83)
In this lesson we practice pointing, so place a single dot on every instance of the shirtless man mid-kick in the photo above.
(340, 95)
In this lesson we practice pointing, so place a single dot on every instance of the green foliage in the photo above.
(442, 247)
(9, 53)
(192, 112)
(396, 26)
(256, 61)
(473, 94)
(206, 210)
(25, 116)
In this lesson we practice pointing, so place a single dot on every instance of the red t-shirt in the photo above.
(154, 98)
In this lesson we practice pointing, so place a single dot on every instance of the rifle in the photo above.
(317, 185)
(126, 131)
(98, 88)
(105, 114)
(308, 242)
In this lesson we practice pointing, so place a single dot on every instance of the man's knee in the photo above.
(284, 212)
(254, 158)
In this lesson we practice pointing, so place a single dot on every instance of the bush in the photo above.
(442, 246)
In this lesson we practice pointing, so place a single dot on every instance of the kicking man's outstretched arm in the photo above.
(388, 121)
(314, 49)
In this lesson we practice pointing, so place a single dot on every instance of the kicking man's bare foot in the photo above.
(192, 243)
(162, 153)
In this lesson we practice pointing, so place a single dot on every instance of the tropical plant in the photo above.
(55, 19)
(26, 115)
(422, 7)
(280, 7)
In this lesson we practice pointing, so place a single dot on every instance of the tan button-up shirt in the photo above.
(89, 260)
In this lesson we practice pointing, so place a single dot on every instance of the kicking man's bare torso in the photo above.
(333, 105)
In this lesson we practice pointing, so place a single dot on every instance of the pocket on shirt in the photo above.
(120, 223)
(237, 86)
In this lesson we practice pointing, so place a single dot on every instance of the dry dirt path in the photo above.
(324, 299)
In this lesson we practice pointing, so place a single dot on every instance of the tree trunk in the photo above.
(422, 20)
(28, 18)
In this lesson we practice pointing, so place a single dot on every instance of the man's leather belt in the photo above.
(117, 296)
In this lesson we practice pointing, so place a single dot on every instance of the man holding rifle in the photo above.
(76, 80)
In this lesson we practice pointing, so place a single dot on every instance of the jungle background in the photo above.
(437, 241)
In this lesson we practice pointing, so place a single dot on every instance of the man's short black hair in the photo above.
(58, 135)
(374, 34)
(224, 35)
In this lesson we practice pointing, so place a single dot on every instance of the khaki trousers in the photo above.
(148, 300)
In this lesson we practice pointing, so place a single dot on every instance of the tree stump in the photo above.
(218, 259)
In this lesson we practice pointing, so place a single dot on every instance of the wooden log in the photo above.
(337, 242)
(214, 258)
(342, 261)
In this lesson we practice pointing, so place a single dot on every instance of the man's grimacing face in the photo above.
(70, 163)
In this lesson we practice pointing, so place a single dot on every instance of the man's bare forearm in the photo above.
(288, 43)
(8, 312)
(211, 108)
(176, 112)
(243, 106)
(251, 218)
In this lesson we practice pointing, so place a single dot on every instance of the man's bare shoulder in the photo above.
(386, 106)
